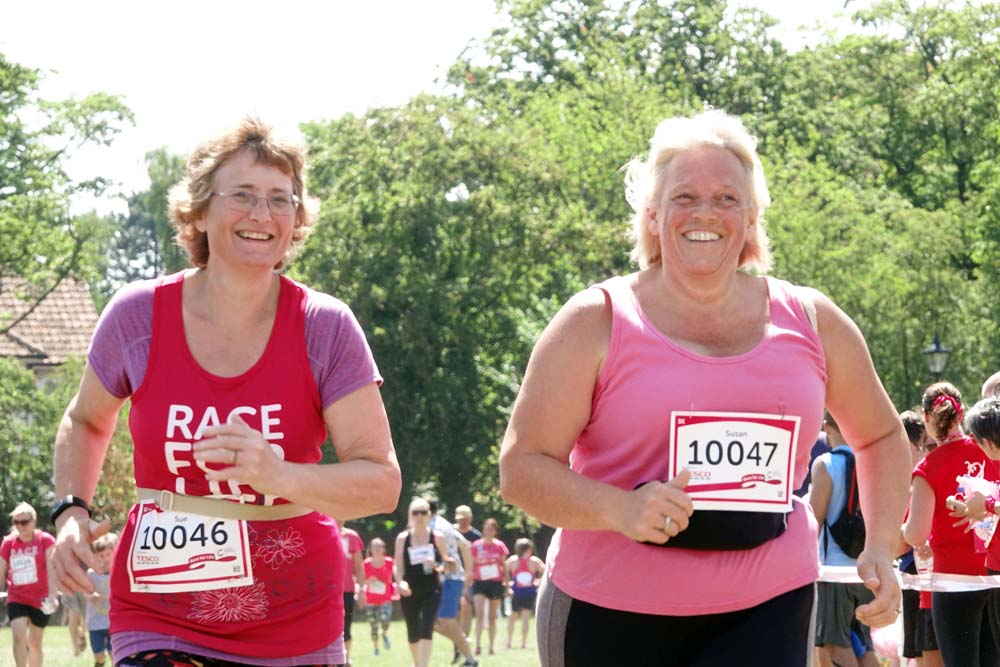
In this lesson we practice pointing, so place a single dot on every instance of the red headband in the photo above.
(951, 399)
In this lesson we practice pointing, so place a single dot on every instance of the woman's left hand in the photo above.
(876, 571)
(248, 458)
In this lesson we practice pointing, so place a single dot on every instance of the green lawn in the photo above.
(59, 654)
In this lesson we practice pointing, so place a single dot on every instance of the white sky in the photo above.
(187, 69)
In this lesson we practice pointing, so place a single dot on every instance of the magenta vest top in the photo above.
(298, 564)
(626, 442)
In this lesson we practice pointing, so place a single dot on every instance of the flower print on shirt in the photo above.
(230, 605)
(278, 548)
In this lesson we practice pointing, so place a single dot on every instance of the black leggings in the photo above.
(775, 633)
(963, 631)
(348, 615)
(420, 610)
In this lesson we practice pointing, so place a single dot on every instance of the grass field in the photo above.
(59, 654)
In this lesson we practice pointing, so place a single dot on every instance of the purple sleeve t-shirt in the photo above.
(340, 360)
(339, 356)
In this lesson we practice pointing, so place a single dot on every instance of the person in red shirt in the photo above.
(960, 618)
(489, 580)
(378, 590)
(237, 376)
(983, 422)
(23, 568)
(354, 574)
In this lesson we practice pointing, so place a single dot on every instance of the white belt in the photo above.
(220, 508)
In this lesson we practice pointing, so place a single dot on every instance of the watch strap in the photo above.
(65, 503)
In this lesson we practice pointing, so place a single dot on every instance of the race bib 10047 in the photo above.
(738, 461)
(175, 552)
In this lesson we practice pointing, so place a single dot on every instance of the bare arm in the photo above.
(917, 529)
(3, 574)
(399, 567)
(442, 547)
(820, 491)
(80, 446)
(53, 589)
(856, 399)
(359, 576)
(465, 552)
(366, 480)
(552, 409)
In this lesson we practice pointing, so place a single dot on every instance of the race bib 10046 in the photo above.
(738, 461)
(175, 552)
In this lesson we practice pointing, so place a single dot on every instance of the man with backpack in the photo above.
(834, 499)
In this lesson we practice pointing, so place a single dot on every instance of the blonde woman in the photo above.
(420, 555)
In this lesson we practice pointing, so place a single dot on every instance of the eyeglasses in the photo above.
(245, 202)
(22, 522)
(420, 512)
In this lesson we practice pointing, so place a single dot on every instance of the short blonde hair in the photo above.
(104, 543)
(189, 199)
(24, 508)
(644, 180)
(419, 504)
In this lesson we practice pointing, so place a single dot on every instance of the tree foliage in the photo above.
(42, 242)
(456, 224)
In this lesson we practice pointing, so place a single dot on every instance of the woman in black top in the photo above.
(419, 555)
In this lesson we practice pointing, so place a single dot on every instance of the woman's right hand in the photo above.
(643, 514)
(72, 555)
(404, 589)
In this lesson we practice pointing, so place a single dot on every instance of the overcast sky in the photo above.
(187, 69)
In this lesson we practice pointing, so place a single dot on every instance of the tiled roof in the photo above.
(59, 327)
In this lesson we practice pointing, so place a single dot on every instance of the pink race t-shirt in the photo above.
(627, 442)
(316, 354)
(379, 586)
(489, 560)
(954, 549)
(352, 544)
(27, 572)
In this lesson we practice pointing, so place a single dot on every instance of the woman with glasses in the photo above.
(420, 553)
(236, 376)
(30, 593)
(666, 417)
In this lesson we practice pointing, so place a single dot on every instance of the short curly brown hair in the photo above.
(190, 198)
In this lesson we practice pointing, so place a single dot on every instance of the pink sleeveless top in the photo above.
(646, 376)
(298, 564)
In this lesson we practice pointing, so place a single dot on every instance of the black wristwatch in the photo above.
(66, 503)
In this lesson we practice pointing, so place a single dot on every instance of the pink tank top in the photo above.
(298, 564)
(646, 376)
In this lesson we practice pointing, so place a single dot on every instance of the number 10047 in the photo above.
(735, 453)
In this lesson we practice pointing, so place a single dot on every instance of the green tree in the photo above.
(143, 245)
(42, 242)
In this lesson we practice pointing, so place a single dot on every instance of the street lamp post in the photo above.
(937, 357)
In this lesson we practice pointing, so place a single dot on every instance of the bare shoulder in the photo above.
(585, 316)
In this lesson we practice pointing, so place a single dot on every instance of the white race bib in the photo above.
(345, 542)
(23, 570)
(422, 554)
(376, 586)
(176, 552)
(738, 461)
(487, 572)
(524, 579)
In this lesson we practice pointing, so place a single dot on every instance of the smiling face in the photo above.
(705, 212)
(25, 525)
(258, 238)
